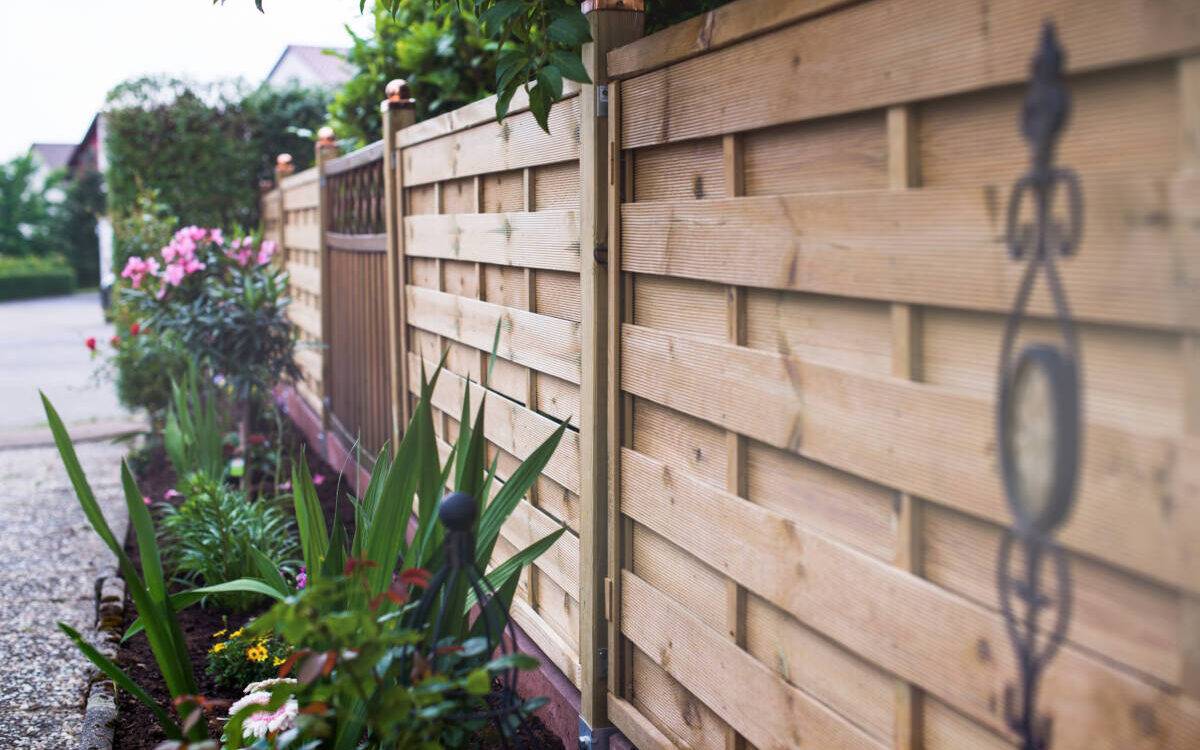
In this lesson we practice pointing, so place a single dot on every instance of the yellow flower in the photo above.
(257, 653)
(277, 661)
(217, 647)
(237, 633)
(219, 633)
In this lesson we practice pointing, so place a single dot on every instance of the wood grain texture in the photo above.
(894, 619)
(931, 246)
(516, 143)
(937, 447)
(549, 345)
(889, 52)
(761, 706)
(544, 239)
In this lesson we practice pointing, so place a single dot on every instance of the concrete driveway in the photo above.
(41, 346)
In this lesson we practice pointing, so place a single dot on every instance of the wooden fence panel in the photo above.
(480, 250)
(808, 282)
(359, 394)
(299, 232)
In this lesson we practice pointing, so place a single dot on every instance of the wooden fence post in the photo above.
(613, 23)
(399, 111)
(283, 168)
(326, 149)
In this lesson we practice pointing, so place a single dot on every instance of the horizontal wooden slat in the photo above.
(527, 525)
(549, 345)
(354, 159)
(508, 425)
(304, 276)
(468, 116)
(516, 143)
(303, 237)
(551, 643)
(299, 179)
(929, 441)
(765, 709)
(541, 239)
(356, 243)
(947, 645)
(889, 52)
(306, 319)
(1138, 263)
(304, 195)
(635, 726)
(711, 31)
(309, 360)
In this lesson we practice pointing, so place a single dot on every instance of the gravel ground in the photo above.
(52, 559)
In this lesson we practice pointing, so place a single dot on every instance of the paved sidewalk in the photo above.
(52, 559)
(42, 346)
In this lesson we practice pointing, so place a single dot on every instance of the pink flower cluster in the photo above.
(180, 254)
(242, 251)
(136, 270)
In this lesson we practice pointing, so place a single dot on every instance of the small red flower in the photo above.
(257, 439)
(135, 329)
(90, 343)
(115, 341)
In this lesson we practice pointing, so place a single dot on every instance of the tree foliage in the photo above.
(26, 213)
(203, 147)
(441, 54)
(75, 226)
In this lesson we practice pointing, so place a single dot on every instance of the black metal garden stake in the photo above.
(1038, 406)
(457, 512)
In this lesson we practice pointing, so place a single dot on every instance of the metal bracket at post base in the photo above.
(594, 739)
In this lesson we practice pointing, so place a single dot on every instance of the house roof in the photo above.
(53, 155)
(326, 69)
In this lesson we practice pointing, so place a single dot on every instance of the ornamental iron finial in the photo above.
(1039, 410)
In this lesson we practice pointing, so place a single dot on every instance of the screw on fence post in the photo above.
(399, 110)
(1038, 406)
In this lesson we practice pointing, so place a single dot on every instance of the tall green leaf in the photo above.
(310, 519)
(123, 681)
(502, 573)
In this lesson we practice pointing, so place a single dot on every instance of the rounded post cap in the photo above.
(325, 136)
(457, 511)
(283, 160)
(398, 92)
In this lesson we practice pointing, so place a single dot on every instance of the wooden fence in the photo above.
(790, 357)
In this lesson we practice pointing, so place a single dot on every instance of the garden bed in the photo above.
(136, 728)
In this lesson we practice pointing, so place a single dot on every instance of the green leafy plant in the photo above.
(194, 435)
(238, 658)
(148, 589)
(361, 680)
(216, 535)
(143, 366)
(26, 213)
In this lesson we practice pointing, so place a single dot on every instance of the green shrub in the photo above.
(217, 535)
(33, 276)
(194, 436)
(144, 366)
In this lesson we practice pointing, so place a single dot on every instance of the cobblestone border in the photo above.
(100, 712)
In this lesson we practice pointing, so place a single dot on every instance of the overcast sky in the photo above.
(60, 57)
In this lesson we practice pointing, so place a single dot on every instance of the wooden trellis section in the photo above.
(359, 391)
(779, 481)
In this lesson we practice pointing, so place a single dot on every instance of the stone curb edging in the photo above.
(100, 711)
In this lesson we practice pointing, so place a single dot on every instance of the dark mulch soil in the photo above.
(136, 728)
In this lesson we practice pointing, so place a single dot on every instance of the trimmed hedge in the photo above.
(24, 278)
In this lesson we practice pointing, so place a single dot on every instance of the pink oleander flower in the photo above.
(302, 578)
(215, 236)
(174, 274)
(318, 479)
(90, 343)
(265, 252)
(172, 494)
(146, 499)
(258, 724)
(136, 270)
